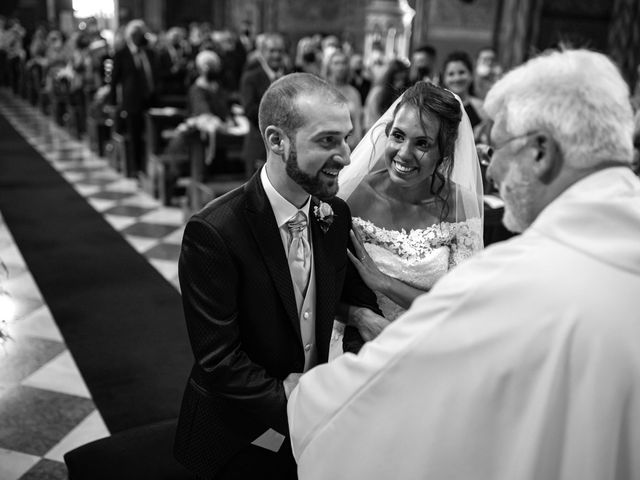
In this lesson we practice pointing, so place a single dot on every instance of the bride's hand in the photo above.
(367, 268)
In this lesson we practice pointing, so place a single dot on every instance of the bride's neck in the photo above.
(415, 195)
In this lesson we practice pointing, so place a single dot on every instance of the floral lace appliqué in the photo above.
(419, 243)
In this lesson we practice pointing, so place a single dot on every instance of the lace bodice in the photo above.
(419, 257)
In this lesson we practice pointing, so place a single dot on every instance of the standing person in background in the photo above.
(457, 76)
(394, 81)
(133, 89)
(358, 76)
(423, 65)
(376, 62)
(487, 72)
(233, 55)
(329, 45)
(16, 53)
(338, 75)
(255, 81)
(308, 56)
(173, 60)
(56, 82)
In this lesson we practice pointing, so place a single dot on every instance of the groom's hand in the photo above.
(290, 383)
(368, 323)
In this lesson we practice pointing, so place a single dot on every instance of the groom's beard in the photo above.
(312, 184)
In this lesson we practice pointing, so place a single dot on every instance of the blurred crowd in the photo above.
(221, 74)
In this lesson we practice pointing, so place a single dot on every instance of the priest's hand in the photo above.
(368, 323)
(290, 383)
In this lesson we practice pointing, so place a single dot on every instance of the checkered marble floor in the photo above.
(45, 406)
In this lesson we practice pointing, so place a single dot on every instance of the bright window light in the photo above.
(93, 8)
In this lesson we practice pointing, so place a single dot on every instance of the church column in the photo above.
(420, 33)
(518, 30)
(624, 38)
(154, 14)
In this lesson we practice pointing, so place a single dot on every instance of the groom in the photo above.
(261, 271)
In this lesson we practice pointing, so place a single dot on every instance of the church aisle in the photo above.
(45, 406)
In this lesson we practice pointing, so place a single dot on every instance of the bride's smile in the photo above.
(412, 147)
(403, 169)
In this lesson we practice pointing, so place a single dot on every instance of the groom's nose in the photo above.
(343, 156)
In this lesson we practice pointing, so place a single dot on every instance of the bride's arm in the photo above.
(398, 291)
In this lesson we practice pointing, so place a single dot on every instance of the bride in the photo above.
(415, 193)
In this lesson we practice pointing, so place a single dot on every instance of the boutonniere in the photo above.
(324, 214)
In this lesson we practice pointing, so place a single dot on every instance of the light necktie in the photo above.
(143, 64)
(299, 251)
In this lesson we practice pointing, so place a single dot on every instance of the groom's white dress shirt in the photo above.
(522, 363)
(285, 211)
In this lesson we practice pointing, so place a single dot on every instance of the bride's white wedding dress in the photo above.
(418, 258)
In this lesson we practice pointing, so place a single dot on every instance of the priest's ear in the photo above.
(276, 139)
(548, 161)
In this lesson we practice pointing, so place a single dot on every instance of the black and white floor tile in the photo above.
(45, 406)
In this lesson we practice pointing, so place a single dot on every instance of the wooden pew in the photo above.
(160, 124)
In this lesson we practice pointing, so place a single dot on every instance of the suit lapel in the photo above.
(263, 225)
(325, 285)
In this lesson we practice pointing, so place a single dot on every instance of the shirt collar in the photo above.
(282, 208)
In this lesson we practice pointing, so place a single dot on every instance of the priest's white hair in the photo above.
(578, 96)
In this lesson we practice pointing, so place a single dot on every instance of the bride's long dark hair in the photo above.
(428, 97)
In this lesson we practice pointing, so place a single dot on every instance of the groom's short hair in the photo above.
(278, 105)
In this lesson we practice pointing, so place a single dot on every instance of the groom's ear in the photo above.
(275, 139)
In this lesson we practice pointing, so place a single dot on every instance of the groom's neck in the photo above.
(284, 185)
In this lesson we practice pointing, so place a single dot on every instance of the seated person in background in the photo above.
(210, 112)
(206, 94)
(210, 106)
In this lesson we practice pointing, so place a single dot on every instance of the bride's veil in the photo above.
(465, 178)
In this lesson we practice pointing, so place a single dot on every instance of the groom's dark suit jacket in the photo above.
(242, 320)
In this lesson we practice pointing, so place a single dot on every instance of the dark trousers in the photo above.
(134, 125)
(257, 463)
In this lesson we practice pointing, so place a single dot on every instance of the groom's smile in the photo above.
(319, 150)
